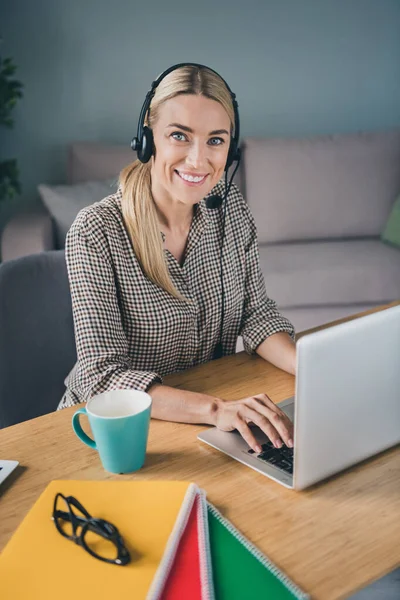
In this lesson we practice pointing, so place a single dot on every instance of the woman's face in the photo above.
(191, 137)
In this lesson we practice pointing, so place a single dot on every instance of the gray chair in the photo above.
(37, 342)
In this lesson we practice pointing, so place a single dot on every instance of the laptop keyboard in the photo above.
(282, 458)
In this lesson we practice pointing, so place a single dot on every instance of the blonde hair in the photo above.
(138, 207)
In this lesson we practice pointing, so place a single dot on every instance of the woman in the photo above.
(144, 270)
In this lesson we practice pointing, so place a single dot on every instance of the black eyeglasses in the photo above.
(98, 537)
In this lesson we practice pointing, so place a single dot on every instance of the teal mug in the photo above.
(120, 421)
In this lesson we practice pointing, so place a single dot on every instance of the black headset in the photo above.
(143, 142)
(143, 145)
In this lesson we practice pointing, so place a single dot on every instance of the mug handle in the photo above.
(79, 431)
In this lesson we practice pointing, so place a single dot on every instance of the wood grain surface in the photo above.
(331, 539)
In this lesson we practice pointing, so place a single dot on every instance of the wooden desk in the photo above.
(331, 539)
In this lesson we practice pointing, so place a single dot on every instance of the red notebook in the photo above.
(188, 573)
(184, 580)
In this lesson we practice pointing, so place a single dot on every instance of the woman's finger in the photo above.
(246, 434)
(265, 399)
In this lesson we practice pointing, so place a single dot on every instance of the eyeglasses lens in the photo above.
(94, 540)
(63, 520)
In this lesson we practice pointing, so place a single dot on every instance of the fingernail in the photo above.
(258, 449)
(290, 443)
(278, 444)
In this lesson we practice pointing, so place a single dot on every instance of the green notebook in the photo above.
(240, 570)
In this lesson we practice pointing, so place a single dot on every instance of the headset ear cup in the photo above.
(146, 150)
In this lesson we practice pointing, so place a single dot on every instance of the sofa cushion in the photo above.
(65, 201)
(391, 233)
(322, 187)
(92, 161)
(359, 271)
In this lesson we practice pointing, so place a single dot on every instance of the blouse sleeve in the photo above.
(260, 317)
(101, 344)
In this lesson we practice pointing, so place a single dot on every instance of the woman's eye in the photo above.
(179, 137)
(218, 140)
(177, 133)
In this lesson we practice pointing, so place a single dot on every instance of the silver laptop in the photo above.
(346, 407)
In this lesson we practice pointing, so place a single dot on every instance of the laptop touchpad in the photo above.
(288, 407)
(289, 410)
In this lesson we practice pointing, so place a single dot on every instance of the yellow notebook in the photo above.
(39, 563)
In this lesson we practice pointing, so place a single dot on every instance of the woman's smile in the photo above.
(191, 179)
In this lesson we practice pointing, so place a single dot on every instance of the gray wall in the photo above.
(298, 67)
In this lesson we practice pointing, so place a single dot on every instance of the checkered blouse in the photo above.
(129, 332)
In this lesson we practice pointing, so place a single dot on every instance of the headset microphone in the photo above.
(214, 201)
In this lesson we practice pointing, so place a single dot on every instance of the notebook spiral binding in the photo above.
(284, 579)
(204, 542)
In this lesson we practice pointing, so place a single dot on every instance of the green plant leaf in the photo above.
(9, 179)
(10, 91)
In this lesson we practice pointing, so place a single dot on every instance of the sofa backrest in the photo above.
(333, 186)
(93, 161)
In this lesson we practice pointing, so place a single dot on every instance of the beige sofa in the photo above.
(320, 205)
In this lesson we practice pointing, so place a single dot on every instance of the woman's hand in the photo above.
(259, 409)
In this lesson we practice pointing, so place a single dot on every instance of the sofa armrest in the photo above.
(27, 233)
